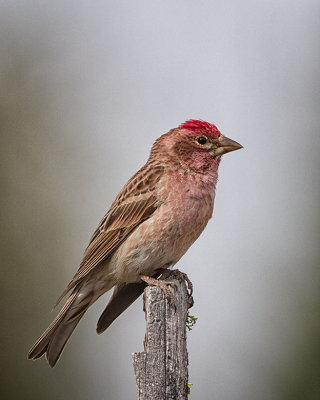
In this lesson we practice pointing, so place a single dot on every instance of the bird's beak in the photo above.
(225, 145)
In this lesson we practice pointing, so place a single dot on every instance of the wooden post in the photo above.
(162, 369)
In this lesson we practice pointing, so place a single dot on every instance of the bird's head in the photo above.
(194, 144)
(198, 145)
(201, 136)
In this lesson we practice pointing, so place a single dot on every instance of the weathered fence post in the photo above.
(162, 369)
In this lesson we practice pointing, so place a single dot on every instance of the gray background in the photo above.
(86, 87)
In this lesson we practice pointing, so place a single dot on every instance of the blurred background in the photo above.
(85, 89)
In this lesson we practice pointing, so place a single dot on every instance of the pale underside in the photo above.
(158, 216)
(153, 221)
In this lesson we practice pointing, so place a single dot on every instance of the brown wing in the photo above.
(134, 204)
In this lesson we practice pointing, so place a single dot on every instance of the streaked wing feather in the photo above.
(117, 224)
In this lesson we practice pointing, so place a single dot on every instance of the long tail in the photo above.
(52, 341)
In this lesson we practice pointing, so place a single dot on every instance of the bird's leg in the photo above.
(181, 275)
(164, 285)
(165, 273)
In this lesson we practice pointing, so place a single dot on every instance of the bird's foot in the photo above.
(165, 273)
(164, 285)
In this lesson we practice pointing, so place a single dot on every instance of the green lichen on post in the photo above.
(189, 385)
(190, 321)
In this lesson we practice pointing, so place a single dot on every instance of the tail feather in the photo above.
(59, 340)
(122, 297)
(55, 337)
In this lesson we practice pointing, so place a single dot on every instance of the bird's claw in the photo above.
(180, 275)
(190, 301)
(163, 285)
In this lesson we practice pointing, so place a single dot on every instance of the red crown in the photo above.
(196, 125)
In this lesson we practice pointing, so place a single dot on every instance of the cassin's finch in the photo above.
(153, 221)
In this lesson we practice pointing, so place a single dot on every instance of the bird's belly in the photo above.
(160, 241)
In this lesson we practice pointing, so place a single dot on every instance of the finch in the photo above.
(153, 221)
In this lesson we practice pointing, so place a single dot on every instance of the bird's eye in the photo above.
(202, 140)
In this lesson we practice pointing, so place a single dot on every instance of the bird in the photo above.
(155, 218)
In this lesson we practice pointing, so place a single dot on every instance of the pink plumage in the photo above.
(153, 221)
